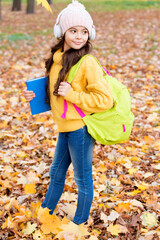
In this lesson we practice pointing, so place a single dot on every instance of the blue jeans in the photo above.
(75, 147)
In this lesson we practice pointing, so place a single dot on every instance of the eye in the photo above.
(73, 31)
(85, 32)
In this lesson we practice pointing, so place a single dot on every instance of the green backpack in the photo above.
(114, 125)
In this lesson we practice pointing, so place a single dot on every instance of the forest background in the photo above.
(126, 176)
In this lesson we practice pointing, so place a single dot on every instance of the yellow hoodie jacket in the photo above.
(90, 92)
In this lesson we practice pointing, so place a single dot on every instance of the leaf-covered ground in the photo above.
(126, 203)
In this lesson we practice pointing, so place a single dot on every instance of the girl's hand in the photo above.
(64, 88)
(29, 95)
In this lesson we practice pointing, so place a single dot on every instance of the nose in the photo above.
(78, 35)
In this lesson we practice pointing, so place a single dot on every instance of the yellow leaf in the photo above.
(23, 115)
(156, 144)
(47, 238)
(37, 235)
(50, 143)
(149, 76)
(133, 150)
(23, 99)
(28, 213)
(50, 223)
(48, 228)
(144, 148)
(143, 230)
(1, 212)
(96, 232)
(135, 192)
(120, 160)
(35, 209)
(113, 199)
(40, 119)
(51, 154)
(101, 168)
(44, 4)
(30, 189)
(51, 226)
(30, 228)
(53, 143)
(102, 178)
(64, 220)
(114, 229)
(6, 183)
(10, 204)
(101, 205)
(151, 67)
(17, 67)
(149, 219)
(22, 154)
(72, 230)
(115, 182)
(44, 216)
(142, 186)
(132, 170)
(8, 223)
(136, 159)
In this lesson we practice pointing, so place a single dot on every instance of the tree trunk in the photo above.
(16, 5)
(30, 6)
(0, 10)
(50, 2)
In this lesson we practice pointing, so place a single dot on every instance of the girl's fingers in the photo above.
(27, 91)
(29, 99)
(29, 95)
(64, 88)
(64, 84)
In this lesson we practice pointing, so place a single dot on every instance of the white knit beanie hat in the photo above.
(73, 15)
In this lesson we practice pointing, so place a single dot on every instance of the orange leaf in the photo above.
(123, 207)
(148, 140)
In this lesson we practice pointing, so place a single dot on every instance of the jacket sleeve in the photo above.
(97, 96)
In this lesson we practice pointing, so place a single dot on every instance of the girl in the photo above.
(89, 91)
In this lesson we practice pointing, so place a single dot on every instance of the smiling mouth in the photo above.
(77, 43)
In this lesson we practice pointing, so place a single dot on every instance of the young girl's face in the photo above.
(75, 37)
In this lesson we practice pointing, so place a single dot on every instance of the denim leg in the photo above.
(58, 169)
(81, 152)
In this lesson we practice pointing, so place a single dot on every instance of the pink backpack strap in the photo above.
(65, 109)
(79, 111)
(106, 71)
